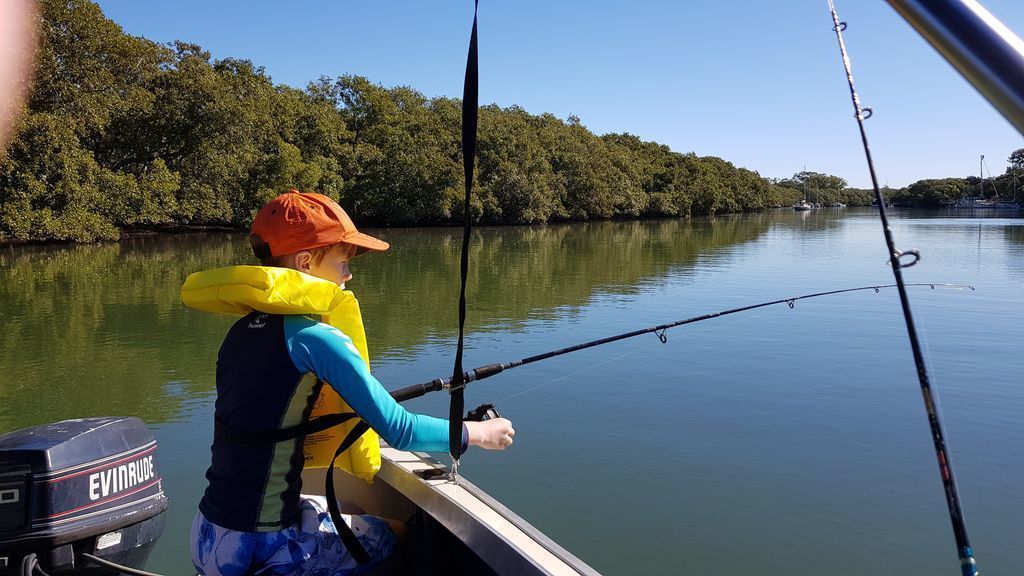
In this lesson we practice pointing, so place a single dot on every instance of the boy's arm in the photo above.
(329, 353)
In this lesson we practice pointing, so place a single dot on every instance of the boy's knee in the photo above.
(399, 528)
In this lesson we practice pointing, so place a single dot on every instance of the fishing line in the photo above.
(734, 322)
(481, 372)
(968, 566)
(936, 377)
(630, 353)
(570, 374)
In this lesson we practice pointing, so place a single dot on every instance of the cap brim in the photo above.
(365, 242)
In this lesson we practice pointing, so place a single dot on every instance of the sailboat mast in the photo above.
(981, 175)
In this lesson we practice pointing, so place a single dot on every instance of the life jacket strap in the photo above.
(344, 532)
(262, 437)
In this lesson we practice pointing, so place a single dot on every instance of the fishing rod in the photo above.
(965, 552)
(486, 371)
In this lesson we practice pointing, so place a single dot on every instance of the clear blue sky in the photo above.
(758, 83)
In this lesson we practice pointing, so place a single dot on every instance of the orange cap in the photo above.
(297, 221)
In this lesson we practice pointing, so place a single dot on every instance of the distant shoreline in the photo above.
(191, 228)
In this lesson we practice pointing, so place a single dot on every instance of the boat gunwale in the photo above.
(425, 495)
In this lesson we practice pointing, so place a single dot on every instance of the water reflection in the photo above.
(518, 274)
(93, 330)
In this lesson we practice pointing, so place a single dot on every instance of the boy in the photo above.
(252, 518)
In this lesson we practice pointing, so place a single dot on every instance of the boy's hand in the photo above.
(493, 434)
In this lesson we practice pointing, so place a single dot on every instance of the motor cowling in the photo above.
(91, 486)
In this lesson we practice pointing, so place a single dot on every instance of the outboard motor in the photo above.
(79, 486)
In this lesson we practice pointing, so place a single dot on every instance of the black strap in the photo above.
(261, 437)
(470, 106)
(344, 532)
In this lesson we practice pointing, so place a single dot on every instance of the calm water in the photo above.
(773, 442)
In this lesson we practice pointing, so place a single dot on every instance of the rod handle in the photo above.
(487, 371)
(417, 390)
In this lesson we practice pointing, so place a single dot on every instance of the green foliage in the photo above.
(825, 189)
(931, 193)
(122, 133)
(1016, 161)
(945, 191)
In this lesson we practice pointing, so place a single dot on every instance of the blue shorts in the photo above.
(310, 548)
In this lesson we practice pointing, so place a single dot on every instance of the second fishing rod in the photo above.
(488, 370)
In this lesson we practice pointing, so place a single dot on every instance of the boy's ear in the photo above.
(303, 261)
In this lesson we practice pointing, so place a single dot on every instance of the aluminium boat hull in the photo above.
(455, 527)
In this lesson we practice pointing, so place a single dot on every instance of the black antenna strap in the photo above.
(470, 103)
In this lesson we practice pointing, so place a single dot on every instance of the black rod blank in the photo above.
(968, 566)
(417, 390)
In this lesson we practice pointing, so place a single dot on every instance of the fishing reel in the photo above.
(481, 413)
(478, 414)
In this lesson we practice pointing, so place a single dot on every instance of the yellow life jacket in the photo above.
(244, 289)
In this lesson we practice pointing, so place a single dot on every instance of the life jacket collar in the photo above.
(243, 289)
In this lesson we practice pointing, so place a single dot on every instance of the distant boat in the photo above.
(979, 202)
(803, 205)
(974, 202)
